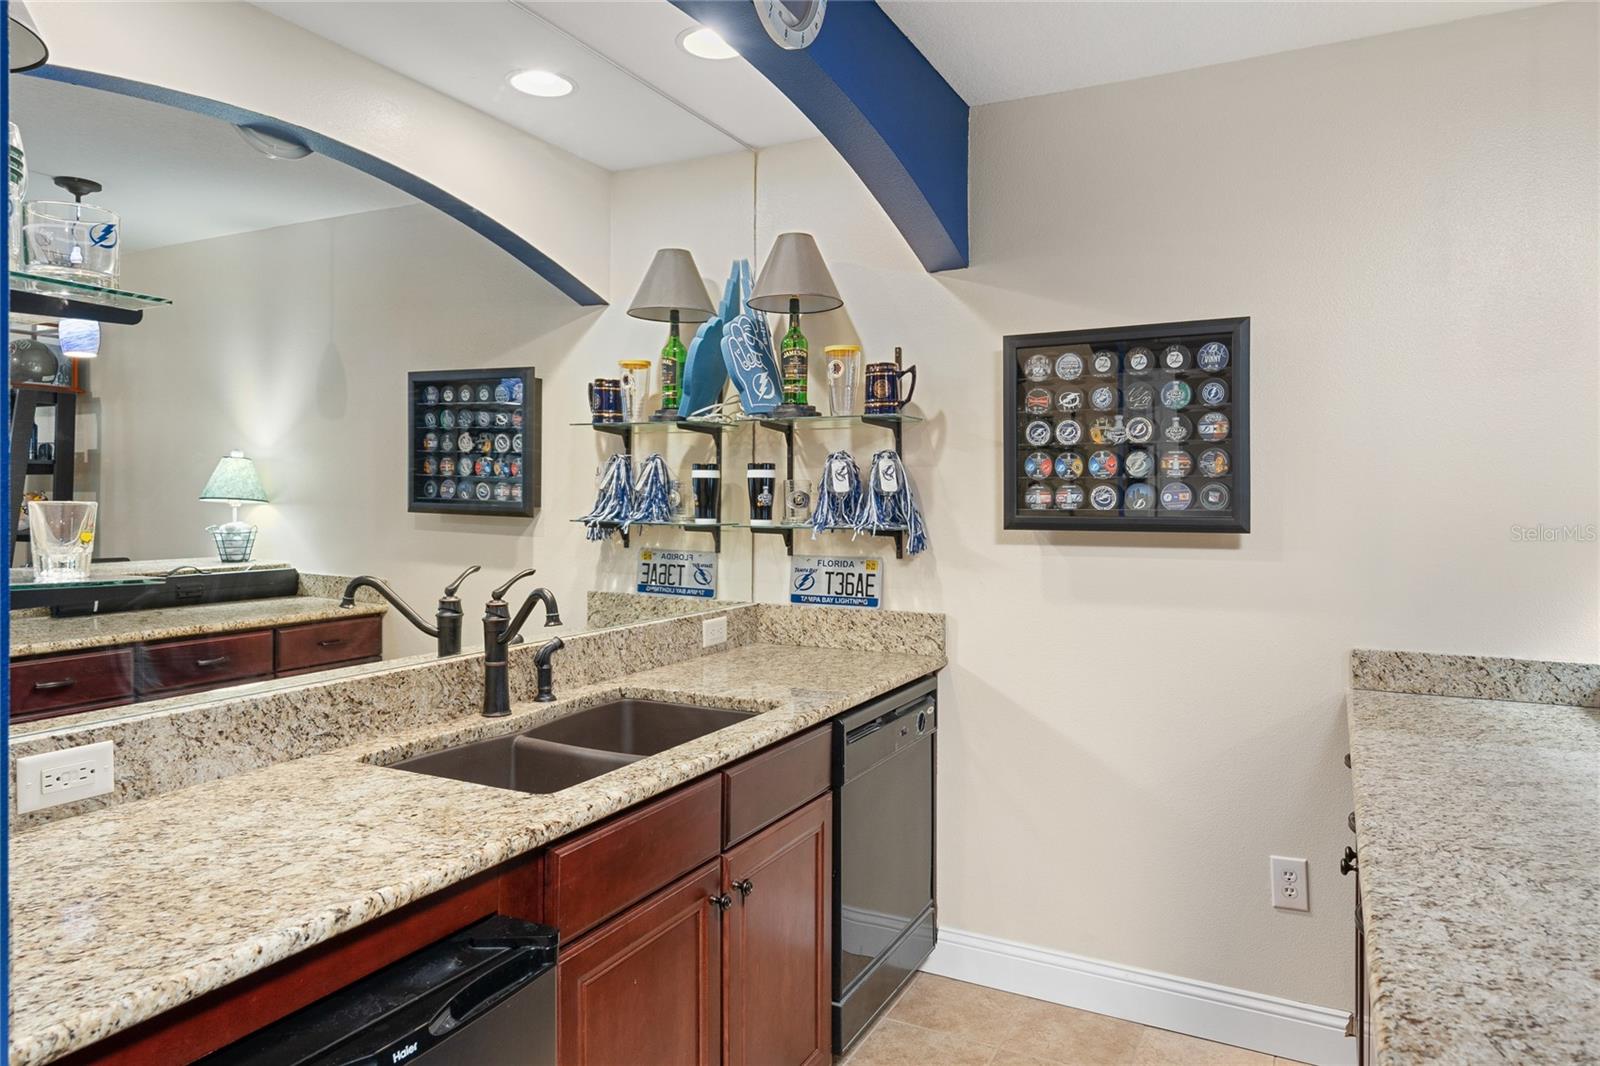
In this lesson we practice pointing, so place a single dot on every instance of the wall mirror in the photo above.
(303, 297)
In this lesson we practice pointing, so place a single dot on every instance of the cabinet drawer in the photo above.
(598, 874)
(59, 683)
(326, 643)
(204, 663)
(765, 787)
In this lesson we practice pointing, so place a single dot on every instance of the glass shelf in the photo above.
(694, 424)
(45, 285)
(90, 582)
(835, 421)
(686, 523)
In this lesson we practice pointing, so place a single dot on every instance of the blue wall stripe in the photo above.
(404, 180)
(878, 100)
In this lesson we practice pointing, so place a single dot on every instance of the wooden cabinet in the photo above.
(646, 987)
(209, 662)
(779, 962)
(321, 645)
(63, 684)
(641, 987)
(49, 685)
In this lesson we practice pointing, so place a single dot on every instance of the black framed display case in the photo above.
(477, 455)
(1134, 429)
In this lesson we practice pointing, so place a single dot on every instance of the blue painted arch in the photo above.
(502, 236)
(882, 105)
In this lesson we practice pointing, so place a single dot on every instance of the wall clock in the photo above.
(793, 24)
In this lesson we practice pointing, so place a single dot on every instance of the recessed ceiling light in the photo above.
(705, 43)
(540, 83)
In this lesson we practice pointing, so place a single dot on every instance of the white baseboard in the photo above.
(1213, 1012)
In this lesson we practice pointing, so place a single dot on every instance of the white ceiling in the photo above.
(993, 50)
(641, 114)
(174, 176)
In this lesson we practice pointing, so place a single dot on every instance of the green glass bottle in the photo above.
(673, 353)
(795, 349)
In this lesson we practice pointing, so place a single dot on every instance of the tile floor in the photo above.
(951, 1023)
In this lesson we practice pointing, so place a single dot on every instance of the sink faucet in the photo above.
(499, 630)
(448, 618)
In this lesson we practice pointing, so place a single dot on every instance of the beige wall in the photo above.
(1135, 722)
(293, 345)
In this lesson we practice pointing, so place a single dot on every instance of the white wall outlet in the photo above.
(714, 631)
(1290, 889)
(63, 776)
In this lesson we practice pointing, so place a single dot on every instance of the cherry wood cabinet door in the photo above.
(777, 961)
(644, 989)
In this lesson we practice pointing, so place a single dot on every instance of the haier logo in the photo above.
(404, 1053)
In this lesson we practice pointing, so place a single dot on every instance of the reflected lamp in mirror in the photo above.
(795, 279)
(79, 337)
(672, 291)
(234, 482)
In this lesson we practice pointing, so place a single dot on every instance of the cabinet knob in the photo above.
(722, 902)
(1347, 760)
(745, 886)
(1351, 821)
(1348, 863)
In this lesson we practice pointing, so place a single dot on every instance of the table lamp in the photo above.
(672, 291)
(234, 482)
(795, 279)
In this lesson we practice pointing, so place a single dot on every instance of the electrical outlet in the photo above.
(714, 631)
(63, 776)
(1290, 889)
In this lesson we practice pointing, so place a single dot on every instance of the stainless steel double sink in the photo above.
(570, 750)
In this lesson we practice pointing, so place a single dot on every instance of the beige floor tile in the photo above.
(977, 1013)
(1014, 1058)
(1071, 1037)
(894, 1043)
(1162, 1048)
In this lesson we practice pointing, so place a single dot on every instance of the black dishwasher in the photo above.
(485, 995)
(883, 861)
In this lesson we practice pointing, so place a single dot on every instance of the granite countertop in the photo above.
(44, 635)
(125, 913)
(1478, 827)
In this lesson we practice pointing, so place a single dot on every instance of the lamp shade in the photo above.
(79, 337)
(794, 270)
(25, 47)
(672, 283)
(234, 481)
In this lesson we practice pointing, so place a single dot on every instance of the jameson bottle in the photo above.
(795, 349)
(672, 356)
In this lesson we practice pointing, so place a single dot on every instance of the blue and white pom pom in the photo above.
(652, 492)
(612, 506)
(890, 502)
(839, 496)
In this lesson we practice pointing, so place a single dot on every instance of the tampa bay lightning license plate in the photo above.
(835, 582)
(676, 573)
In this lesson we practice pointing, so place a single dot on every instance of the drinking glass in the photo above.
(62, 535)
(797, 497)
(77, 242)
(635, 387)
(844, 371)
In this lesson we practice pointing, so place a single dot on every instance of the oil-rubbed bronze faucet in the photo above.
(499, 631)
(447, 630)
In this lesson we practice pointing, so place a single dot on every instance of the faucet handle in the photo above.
(451, 589)
(500, 593)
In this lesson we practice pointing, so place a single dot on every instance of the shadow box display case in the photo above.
(474, 442)
(1135, 429)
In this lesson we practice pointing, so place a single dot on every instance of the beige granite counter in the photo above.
(123, 913)
(1478, 828)
(44, 635)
